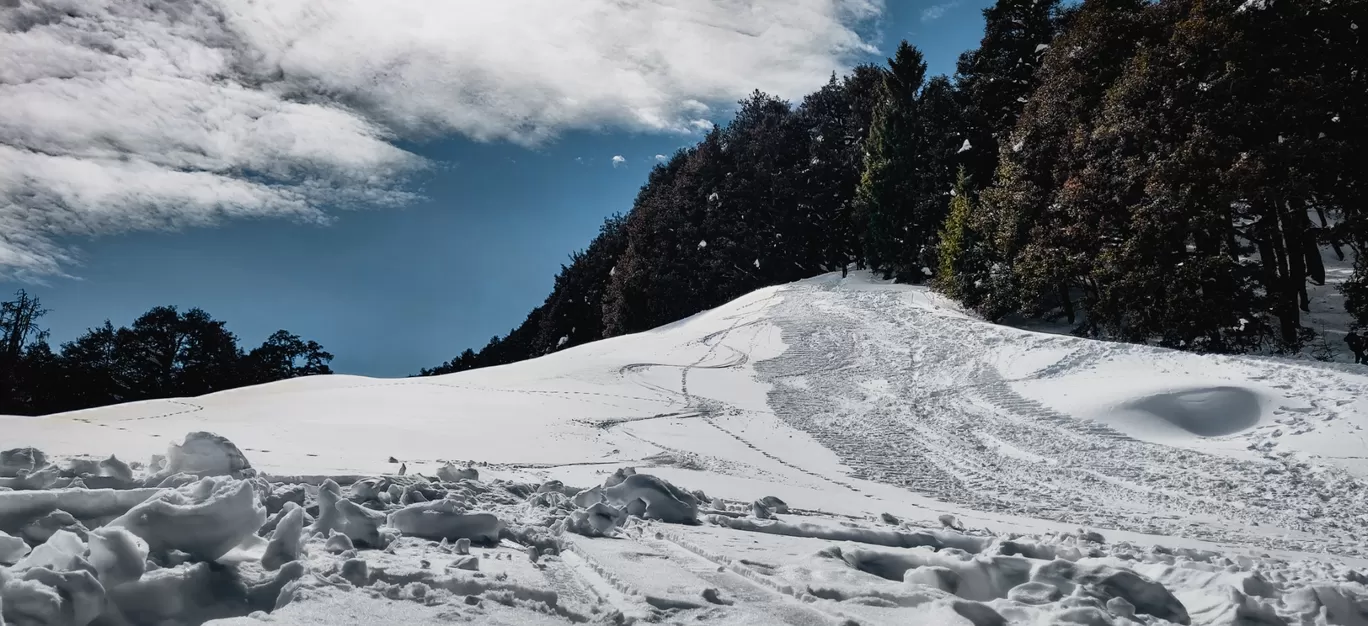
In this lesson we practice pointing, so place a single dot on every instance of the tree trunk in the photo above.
(1294, 230)
(1066, 301)
(1284, 291)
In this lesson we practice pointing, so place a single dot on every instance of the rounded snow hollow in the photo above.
(1204, 411)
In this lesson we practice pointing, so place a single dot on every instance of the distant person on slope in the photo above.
(1355, 342)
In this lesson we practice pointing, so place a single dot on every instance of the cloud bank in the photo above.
(118, 116)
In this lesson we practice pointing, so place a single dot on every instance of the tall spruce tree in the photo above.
(941, 139)
(996, 79)
(886, 199)
(837, 119)
(1045, 226)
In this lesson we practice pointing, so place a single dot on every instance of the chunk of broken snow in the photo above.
(118, 556)
(205, 519)
(588, 497)
(41, 529)
(703, 243)
(446, 519)
(618, 475)
(775, 504)
(45, 596)
(338, 543)
(877, 536)
(20, 461)
(46, 478)
(760, 511)
(359, 524)
(1042, 46)
(64, 551)
(965, 146)
(285, 543)
(449, 473)
(563, 340)
(112, 467)
(662, 500)
(11, 549)
(599, 520)
(206, 454)
(366, 489)
(19, 508)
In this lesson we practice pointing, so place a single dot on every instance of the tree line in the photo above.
(1152, 171)
(164, 353)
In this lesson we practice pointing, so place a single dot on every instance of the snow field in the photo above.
(1094, 483)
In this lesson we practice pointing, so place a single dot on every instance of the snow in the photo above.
(446, 519)
(834, 449)
(205, 519)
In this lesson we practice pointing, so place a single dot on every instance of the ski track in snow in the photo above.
(915, 429)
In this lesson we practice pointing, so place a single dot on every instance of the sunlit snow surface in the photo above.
(1095, 483)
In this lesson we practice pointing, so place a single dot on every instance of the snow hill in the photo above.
(853, 452)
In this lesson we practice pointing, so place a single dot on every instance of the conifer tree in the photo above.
(1045, 223)
(959, 266)
(886, 198)
(996, 79)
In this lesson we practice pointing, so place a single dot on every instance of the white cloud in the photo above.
(118, 116)
(618, 160)
(662, 158)
(935, 12)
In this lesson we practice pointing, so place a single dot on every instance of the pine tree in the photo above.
(957, 273)
(836, 119)
(997, 78)
(940, 140)
(886, 198)
(1046, 224)
(573, 313)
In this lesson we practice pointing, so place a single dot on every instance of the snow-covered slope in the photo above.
(868, 408)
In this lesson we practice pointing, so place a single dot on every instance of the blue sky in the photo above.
(391, 290)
